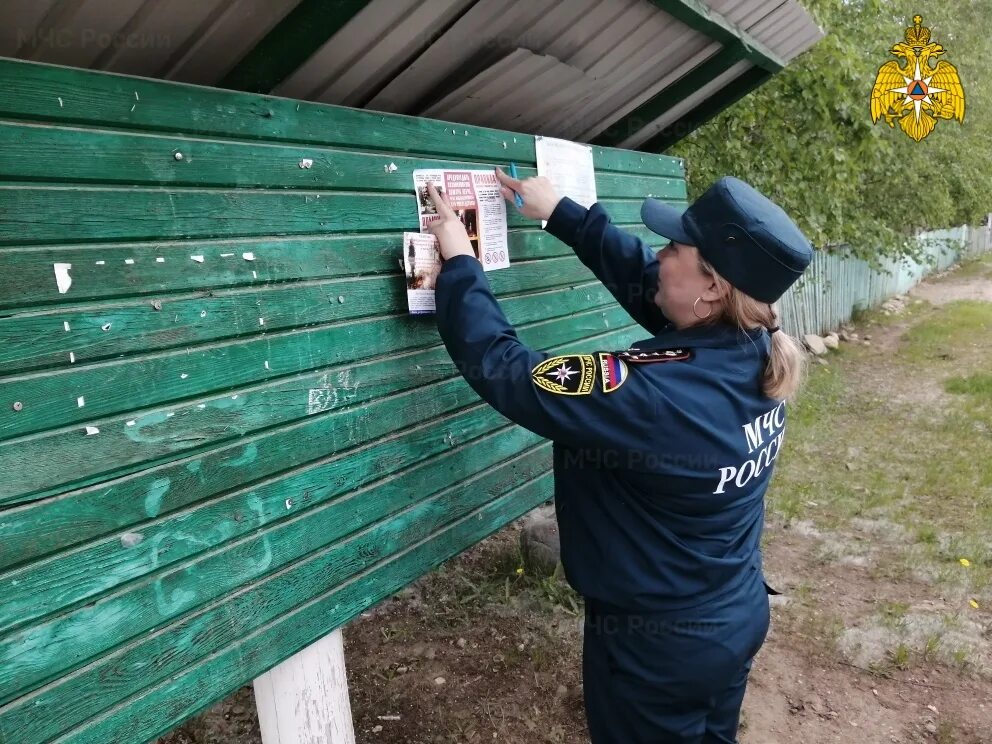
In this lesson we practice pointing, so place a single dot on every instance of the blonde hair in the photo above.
(786, 364)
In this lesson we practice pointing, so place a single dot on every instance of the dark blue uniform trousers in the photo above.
(674, 676)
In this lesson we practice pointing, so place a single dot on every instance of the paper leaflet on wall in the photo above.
(475, 197)
(569, 167)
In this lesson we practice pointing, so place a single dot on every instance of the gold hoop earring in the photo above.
(701, 317)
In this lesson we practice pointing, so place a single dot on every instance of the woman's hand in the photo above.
(450, 232)
(540, 198)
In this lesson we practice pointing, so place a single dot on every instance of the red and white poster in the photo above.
(476, 199)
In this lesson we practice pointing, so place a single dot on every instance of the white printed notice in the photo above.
(568, 165)
(421, 264)
(476, 199)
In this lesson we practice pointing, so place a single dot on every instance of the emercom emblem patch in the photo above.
(573, 374)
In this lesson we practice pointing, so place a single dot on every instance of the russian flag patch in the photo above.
(613, 372)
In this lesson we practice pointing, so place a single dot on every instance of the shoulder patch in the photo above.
(636, 356)
(572, 374)
(612, 371)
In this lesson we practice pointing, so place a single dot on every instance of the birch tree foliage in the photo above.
(805, 138)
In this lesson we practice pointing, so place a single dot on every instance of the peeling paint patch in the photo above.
(153, 497)
(160, 259)
(247, 457)
(72, 358)
(130, 539)
(101, 263)
(62, 278)
(80, 401)
(136, 433)
(91, 430)
(65, 324)
(183, 376)
(129, 261)
(249, 256)
(198, 259)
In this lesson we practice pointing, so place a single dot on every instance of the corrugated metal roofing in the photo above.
(567, 68)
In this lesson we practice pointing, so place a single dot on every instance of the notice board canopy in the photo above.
(629, 73)
(222, 436)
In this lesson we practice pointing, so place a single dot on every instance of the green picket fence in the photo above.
(835, 285)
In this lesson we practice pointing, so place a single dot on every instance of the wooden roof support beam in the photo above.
(697, 16)
(287, 46)
(728, 95)
(737, 46)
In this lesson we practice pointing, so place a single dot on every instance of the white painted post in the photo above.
(304, 700)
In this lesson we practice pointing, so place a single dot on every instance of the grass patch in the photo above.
(978, 384)
(975, 268)
(859, 446)
(945, 335)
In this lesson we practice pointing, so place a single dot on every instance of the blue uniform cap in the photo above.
(746, 237)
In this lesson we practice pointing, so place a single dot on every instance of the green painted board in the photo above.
(227, 437)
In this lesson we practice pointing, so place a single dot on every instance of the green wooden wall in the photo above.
(227, 437)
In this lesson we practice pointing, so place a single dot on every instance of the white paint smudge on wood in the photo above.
(65, 324)
(249, 256)
(80, 401)
(129, 261)
(160, 259)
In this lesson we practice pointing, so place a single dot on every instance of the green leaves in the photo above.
(806, 138)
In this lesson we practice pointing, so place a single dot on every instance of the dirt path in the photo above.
(876, 639)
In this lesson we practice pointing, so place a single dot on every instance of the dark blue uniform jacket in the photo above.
(662, 453)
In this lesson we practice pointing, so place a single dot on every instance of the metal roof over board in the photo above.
(628, 73)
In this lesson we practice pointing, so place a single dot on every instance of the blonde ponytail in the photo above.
(787, 361)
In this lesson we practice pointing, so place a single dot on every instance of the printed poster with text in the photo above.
(569, 167)
(476, 199)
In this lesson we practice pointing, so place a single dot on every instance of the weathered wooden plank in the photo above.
(103, 271)
(34, 92)
(52, 399)
(165, 446)
(221, 636)
(35, 214)
(357, 531)
(32, 531)
(112, 157)
(37, 340)
(35, 530)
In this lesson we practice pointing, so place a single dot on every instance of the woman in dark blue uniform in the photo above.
(662, 452)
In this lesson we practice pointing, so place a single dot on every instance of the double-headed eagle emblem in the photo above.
(917, 95)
